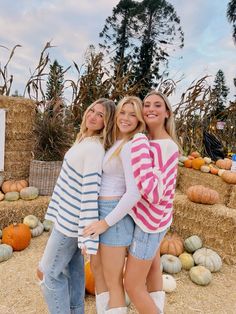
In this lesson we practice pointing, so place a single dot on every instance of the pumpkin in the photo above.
(202, 195)
(188, 163)
(38, 230)
(47, 225)
(1, 196)
(29, 193)
(31, 221)
(192, 243)
(12, 196)
(187, 261)
(195, 154)
(89, 279)
(225, 163)
(5, 252)
(183, 158)
(207, 160)
(172, 244)
(191, 157)
(214, 170)
(200, 275)
(169, 283)
(229, 177)
(14, 185)
(18, 236)
(197, 163)
(220, 172)
(208, 258)
(205, 169)
(171, 264)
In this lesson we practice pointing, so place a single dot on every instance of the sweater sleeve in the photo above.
(148, 177)
(89, 199)
(131, 196)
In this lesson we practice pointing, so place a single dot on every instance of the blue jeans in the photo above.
(63, 283)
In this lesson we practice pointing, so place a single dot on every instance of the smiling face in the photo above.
(94, 120)
(155, 111)
(127, 120)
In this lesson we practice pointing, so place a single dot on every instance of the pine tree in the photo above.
(231, 15)
(55, 82)
(219, 95)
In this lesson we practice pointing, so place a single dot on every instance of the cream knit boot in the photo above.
(159, 299)
(101, 302)
(117, 310)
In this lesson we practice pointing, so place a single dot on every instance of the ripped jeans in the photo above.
(63, 283)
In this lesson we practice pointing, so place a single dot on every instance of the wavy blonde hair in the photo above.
(170, 121)
(137, 104)
(106, 133)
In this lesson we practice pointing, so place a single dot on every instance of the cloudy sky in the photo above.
(72, 25)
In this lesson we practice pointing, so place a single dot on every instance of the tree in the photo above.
(219, 95)
(231, 15)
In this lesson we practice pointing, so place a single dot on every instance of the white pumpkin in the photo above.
(200, 275)
(208, 258)
(171, 264)
(187, 260)
(5, 252)
(47, 225)
(31, 221)
(37, 231)
(169, 283)
(182, 159)
(205, 169)
(207, 160)
(220, 172)
(192, 243)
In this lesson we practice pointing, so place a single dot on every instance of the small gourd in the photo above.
(14, 185)
(225, 163)
(171, 264)
(207, 160)
(202, 195)
(12, 196)
(5, 252)
(31, 221)
(205, 169)
(1, 196)
(208, 258)
(47, 225)
(220, 172)
(29, 193)
(169, 283)
(200, 275)
(187, 261)
(214, 170)
(183, 158)
(18, 236)
(172, 244)
(37, 231)
(229, 177)
(192, 243)
(195, 154)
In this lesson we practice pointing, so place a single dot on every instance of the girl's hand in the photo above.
(95, 228)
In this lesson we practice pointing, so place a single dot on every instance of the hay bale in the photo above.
(188, 177)
(16, 211)
(232, 199)
(215, 224)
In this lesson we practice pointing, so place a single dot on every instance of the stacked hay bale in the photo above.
(19, 138)
(215, 224)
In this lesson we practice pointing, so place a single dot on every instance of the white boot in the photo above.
(102, 302)
(117, 310)
(159, 299)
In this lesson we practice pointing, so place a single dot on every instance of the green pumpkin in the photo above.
(192, 243)
(29, 193)
(5, 252)
(12, 196)
(37, 231)
(31, 221)
(208, 258)
(171, 264)
(200, 275)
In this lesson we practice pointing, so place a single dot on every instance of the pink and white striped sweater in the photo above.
(155, 170)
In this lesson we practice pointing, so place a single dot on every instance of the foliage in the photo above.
(55, 82)
(231, 15)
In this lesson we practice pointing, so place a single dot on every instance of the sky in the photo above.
(73, 25)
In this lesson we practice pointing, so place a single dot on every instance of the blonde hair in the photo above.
(137, 104)
(170, 121)
(106, 133)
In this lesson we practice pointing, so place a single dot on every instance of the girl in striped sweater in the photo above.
(153, 161)
(73, 206)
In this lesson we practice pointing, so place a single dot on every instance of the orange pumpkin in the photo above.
(202, 195)
(89, 279)
(188, 163)
(18, 236)
(224, 163)
(214, 170)
(190, 157)
(172, 244)
(197, 163)
(195, 154)
(229, 177)
(14, 185)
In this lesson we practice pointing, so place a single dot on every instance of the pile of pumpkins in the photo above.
(17, 236)
(190, 255)
(221, 167)
(12, 190)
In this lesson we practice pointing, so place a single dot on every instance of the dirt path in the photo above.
(20, 293)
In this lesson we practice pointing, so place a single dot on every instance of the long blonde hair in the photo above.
(170, 121)
(137, 104)
(106, 133)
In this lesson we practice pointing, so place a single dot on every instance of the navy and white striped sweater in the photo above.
(74, 202)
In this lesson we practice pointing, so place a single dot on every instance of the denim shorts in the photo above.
(145, 245)
(121, 233)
